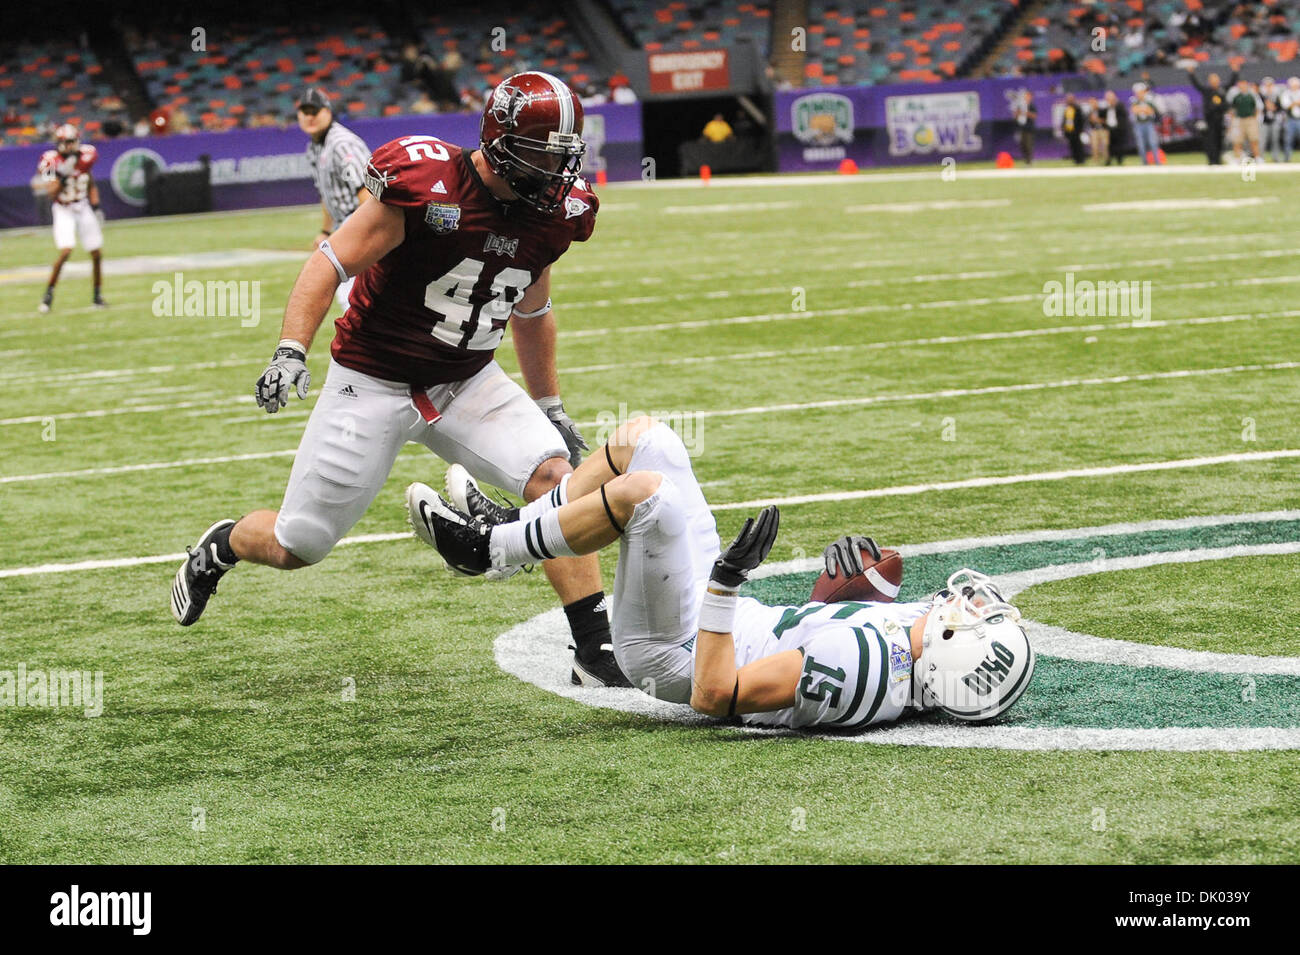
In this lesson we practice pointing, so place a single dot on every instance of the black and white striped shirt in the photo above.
(338, 166)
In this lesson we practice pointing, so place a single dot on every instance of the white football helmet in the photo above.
(975, 659)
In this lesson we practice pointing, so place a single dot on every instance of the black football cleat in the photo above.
(470, 499)
(597, 668)
(464, 542)
(196, 581)
(47, 300)
(99, 302)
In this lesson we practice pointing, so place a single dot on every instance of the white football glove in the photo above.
(573, 439)
(288, 369)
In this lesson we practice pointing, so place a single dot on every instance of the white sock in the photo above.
(557, 496)
(527, 542)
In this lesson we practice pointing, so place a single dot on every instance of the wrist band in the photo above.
(718, 612)
(292, 343)
(541, 311)
(334, 260)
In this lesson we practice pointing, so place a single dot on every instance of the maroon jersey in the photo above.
(72, 172)
(434, 309)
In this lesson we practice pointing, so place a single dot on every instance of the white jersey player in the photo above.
(65, 173)
(681, 632)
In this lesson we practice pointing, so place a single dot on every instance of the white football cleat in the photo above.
(464, 492)
(465, 543)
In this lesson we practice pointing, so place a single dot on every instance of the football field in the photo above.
(881, 354)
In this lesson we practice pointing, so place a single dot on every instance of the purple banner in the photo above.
(252, 168)
(926, 122)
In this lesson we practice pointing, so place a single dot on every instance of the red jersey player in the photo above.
(65, 173)
(458, 244)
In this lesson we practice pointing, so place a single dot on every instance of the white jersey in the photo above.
(857, 666)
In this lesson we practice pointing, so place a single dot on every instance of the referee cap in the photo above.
(314, 96)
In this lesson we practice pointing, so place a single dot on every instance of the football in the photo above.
(879, 580)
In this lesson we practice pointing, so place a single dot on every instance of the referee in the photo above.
(338, 161)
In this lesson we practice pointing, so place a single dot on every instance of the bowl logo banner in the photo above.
(924, 123)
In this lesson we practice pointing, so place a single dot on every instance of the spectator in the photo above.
(419, 68)
(1290, 100)
(1214, 107)
(1244, 107)
(1072, 121)
(423, 104)
(1142, 110)
(717, 130)
(1116, 119)
(1098, 133)
(1272, 119)
(141, 128)
(1026, 114)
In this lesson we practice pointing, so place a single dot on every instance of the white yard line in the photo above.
(150, 466)
(934, 174)
(752, 410)
(112, 562)
(129, 409)
(1027, 478)
(215, 405)
(769, 569)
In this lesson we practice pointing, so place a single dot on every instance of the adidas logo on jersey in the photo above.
(439, 188)
(347, 392)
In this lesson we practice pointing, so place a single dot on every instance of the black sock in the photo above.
(588, 622)
(221, 537)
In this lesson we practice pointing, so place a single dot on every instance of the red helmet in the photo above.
(531, 136)
(68, 139)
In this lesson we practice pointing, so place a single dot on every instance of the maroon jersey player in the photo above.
(458, 245)
(65, 174)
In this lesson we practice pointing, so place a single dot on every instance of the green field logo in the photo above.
(1089, 691)
(129, 173)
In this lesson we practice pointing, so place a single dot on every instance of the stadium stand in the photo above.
(896, 41)
(531, 41)
(249, 71)
(51, 82)
(1141, 33)
(689, 26)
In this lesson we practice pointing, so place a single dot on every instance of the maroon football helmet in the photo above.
(531, 136)
(67, 138)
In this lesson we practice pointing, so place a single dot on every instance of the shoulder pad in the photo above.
(403, 172)
(580, 208)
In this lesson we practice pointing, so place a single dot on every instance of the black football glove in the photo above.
(844, 556)
(748, 550)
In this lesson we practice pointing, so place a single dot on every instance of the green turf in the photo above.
(243, 716)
